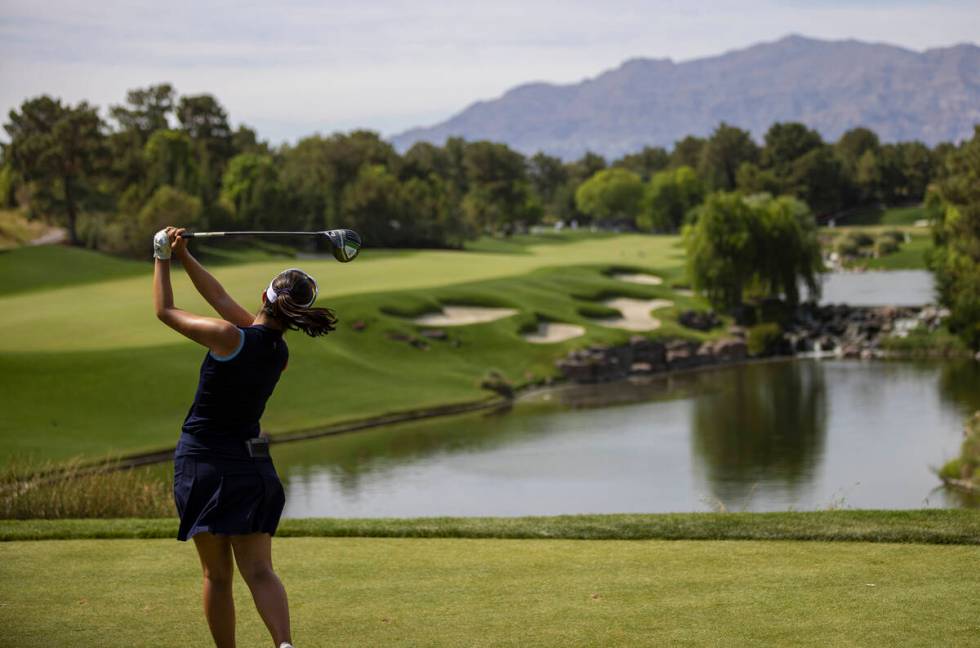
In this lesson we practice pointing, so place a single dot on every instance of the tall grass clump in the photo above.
(73, 490)
(922, 343)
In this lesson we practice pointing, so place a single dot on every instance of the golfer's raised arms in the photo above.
(220, 336)
(209, 287)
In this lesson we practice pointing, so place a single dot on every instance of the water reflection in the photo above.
(958, 382)
(760, 422)
(349, 459)
(772, 436)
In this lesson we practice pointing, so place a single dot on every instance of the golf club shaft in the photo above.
(204, 234)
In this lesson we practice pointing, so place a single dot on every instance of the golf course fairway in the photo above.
(90, 372)
(521, 593)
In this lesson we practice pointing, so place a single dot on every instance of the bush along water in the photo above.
(964, 472)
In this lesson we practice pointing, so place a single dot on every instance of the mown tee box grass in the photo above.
(521, 593)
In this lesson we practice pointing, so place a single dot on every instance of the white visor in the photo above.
(271, 295)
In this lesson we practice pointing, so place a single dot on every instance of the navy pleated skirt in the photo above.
(218, 488)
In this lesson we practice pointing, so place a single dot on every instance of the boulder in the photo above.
(648, 351)
(699, 320)
(731, 349)
(682, 354)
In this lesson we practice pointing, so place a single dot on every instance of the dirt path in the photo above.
(54, 236)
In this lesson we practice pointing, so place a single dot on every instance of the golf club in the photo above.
(346, 243)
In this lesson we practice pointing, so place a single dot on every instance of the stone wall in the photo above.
(841, 330)
(644, 357)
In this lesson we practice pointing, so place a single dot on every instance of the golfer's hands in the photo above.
(178, 246)
(161, 246)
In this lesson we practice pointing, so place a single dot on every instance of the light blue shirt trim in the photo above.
(238, 349)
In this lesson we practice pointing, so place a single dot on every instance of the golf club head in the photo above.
(346, 244)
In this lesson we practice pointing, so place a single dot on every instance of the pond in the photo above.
(879, 288)
(797, 434)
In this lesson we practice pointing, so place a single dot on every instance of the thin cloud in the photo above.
(295, 67)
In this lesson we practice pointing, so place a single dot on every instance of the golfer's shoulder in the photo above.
(269, 339)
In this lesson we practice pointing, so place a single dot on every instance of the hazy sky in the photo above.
(295, 67)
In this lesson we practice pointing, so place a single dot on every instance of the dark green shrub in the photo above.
(863, 239)
(764, 338)
(846, 246)
(885, 246)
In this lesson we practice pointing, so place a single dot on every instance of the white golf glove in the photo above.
(161, 245)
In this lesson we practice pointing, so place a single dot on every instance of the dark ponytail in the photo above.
(291, 304)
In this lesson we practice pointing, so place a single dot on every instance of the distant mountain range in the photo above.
(829, 85)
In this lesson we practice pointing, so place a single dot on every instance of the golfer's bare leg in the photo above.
(219, 572)
(253, 553)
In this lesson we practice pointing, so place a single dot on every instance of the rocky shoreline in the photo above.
(813, 331)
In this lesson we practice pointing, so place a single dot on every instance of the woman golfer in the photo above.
(228, 494)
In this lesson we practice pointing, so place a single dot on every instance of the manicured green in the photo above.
(91, 371)
(929, 526)
(521, 593)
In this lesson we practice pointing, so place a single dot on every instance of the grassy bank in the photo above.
(921, 343)
(892, 216)
(911, 254)
(93, 372)
(931, 526)
(448, 592)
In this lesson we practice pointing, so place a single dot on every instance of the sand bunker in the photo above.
(645, 279)
(636, 313)
(463, 315)
(552, 332)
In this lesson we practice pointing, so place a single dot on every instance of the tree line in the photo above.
(748, 210)
(656, 191)
(161, 158)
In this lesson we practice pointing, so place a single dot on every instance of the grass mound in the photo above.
(43, 267)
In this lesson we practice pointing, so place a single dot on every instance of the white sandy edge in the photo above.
(645, 279)
(463, 315)
(552, 332)
(636, 313)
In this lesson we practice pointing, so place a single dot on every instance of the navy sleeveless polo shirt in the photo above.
(233, 389)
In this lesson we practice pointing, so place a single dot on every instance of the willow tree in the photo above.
(768, 244)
